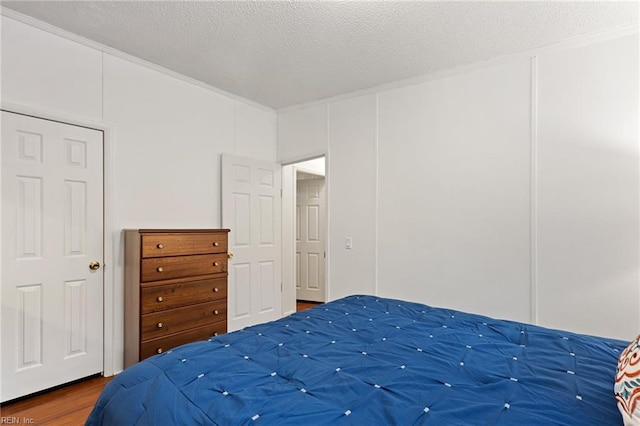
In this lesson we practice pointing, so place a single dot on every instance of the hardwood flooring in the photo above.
(68, 405)
(301, 305)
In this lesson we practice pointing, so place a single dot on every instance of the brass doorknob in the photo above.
(95, 265)
(230, 255)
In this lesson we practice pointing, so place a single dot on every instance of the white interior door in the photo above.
(310, 244)
(251, 209)
(52, 228)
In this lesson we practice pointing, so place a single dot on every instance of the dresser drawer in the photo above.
(158, 245)
(162, 323)
(161, 297)
(157, 346)
(164, 268)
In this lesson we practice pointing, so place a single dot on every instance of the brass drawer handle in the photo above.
(159, 299)
(216, 244)
(215, 334)
(216, 264)
(216, 312)
(215, 289)
(160, 246)
(159, 269)
(159, 350)
(159, 325)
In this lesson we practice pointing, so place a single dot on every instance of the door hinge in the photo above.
(281, 286)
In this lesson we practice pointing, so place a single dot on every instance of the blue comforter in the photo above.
(366, 360)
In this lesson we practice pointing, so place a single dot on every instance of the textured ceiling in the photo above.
(281, 53)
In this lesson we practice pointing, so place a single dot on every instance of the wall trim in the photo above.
(288, 237)
(534, 192)
(109, 355)
(327, 211)
(52, 29)
(449, 72)
(376, 212)
(302, 158)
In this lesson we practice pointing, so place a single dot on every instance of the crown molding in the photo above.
(28, 20)
(449, 72)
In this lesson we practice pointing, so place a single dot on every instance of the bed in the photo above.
(367, 360)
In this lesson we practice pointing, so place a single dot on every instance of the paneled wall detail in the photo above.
(509, 189)
(159, 182)
(29, 313)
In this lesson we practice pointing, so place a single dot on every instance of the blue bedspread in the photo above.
(366, 360)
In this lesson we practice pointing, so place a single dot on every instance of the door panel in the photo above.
(52, 228)
(251, 210)
(310, 246)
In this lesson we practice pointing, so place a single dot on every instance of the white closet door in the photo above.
(251, 209)
(310, 246)
(52, 229)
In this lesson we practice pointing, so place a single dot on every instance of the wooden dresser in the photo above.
(175, 289)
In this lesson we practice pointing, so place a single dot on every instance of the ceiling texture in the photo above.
(282, 53)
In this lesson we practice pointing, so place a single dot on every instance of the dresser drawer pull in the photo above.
(159, 325)
(159, 299)
(216, 244)
(216, 264)
(159, 269)
(216, 312)
(215, 334)
(160, 246)
(215, 289)
(159, 350)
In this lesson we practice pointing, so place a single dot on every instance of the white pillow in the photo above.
(627, 385)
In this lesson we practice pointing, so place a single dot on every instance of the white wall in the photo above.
(317, 166)
(51, 73)
(167, 134)
(588, 188)
(352, 196)
(302, 134)
(454, 191)
(509, 188)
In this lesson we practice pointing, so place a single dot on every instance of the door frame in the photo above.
(107, 130)
(289, 231)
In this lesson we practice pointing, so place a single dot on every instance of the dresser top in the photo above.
(177, 231)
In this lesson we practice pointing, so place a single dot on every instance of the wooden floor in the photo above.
(301, 305)
(66, 406)
(69, 405)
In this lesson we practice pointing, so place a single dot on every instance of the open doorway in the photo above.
(304, 193)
